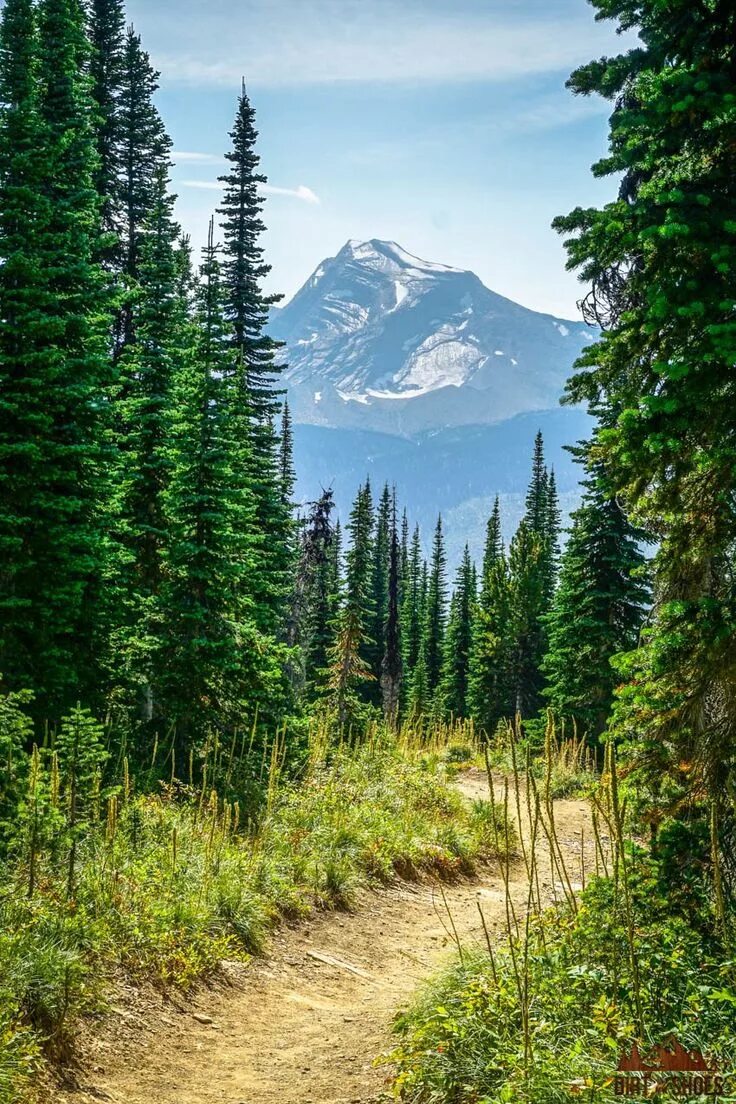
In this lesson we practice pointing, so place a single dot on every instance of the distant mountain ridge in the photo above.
(378, 339)
(416, 374)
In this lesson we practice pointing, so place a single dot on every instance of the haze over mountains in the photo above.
(415, 372)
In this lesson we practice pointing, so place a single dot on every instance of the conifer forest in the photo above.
(266, 764)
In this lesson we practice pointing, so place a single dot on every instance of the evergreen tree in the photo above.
(286, 457)
(419, 698)
(206, 637)
(489, 678)
(391, 664)
(533, 568)
(144, 155)
(536, 515)
(107, 36)
(380, 568)
(254, 353)
(435, 614)
(661, 261)
(597, 612)
(148, 368)
(358, 592)
(552, 538)
(53, 371)
(458, 642)
(312, 609)
(526, 628)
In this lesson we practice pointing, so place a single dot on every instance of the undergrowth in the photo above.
(549, 1013)
(166, 885)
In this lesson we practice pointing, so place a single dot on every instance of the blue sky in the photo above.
(444, 126)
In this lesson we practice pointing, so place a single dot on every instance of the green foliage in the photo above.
(435, 615)
(597, 611)
(458, 642)
(53, 448)
(168, 884)
(254, 356)
(661, 260)
(463, 1041)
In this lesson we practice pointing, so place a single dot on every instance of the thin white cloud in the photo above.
(326, 41)
(302, 192)
(189, 157)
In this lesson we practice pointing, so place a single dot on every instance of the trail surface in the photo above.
(305, 1024)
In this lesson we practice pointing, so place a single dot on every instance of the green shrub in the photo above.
(464, 1041)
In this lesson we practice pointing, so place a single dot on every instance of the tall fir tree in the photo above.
(206, 637)
(54, 375)
(255, 356)
(107, 68)
(358, 591)
(144, 153)
(411, 613)
(287, 474)
(309, 627)
(552, 538)
(598, 610)
(526, 626)
(489, 689)
(533, 568)
(391, 662)
(436, 612)
(380, 568)
(458, 642)
(661, 262)
(536, 514)
(149, 367)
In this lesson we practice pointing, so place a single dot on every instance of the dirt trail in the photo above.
(295, 1028)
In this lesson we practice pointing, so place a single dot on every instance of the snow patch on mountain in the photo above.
(397, 344)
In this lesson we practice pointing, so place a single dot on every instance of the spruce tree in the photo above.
(598, 610)
(148, 368)
(435, 613)
(254, 354)
(309, 625)
(380, 568)
(358, 606)
(552, 538)
(144, 154)
(53, 369)
(536, 515)
(107, 37)
(287, 475)
(526, 627)
(458, 642)
(206, 638)
(661, 262)
(489, 679)
(391, 663)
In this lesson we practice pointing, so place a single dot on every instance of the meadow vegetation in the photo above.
(102, 882)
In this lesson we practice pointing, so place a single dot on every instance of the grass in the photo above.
(168, 884)
(547, 1014)
(564, 764)
(463, 1042)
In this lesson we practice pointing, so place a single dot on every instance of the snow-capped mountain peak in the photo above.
(385, 340)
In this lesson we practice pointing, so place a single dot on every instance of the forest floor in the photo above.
(305, 1023)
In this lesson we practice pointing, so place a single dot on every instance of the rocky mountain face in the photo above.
(416, 373)
(378, 339)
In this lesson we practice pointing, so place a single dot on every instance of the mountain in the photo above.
(380, 340)
(416, 374)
